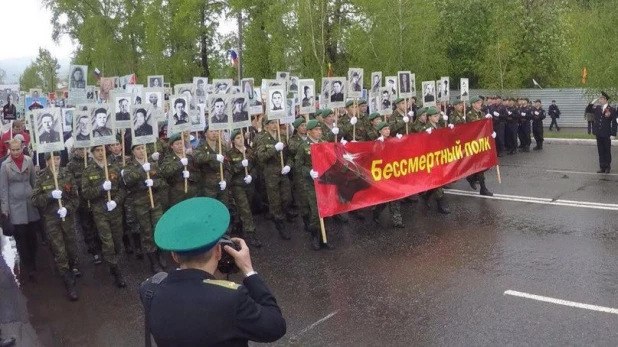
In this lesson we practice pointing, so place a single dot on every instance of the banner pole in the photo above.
(406, 114)
(123, 158)
(109, 195)
(148, 177)
(355, 115)
(244, 156)
(184, 155)
(323, 230)
(220, 164)
(279, 139)
(498, 173)
(53, 164)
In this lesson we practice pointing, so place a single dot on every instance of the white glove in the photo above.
(411, 114)
(335, 130)
(220, 158)
(279, 146)
(62, 212)
(510, 113)
(493, 135)
(399, 135)
(536, 113)
(496, 114)
(285, 170)
(488, 116)
(381, 138)
(313, 174)
(122, 173)
(451, 126)
(107, 185)
(185, 174)
(184, 161)
(111, 205)
(189, 150)
(149, 182)
(406, 119)
(523, 114)
(146, 167)
(244, 163)
(344, 141)
(155, 156)
(444, 116)
(57, 194)
(428, 130)
(222, 185)
(248, 179)
(353, 120)
(594, 101)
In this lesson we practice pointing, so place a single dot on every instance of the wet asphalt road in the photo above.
(439, 281)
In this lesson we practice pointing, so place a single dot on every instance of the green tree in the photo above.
(48, 67)
(30, 78)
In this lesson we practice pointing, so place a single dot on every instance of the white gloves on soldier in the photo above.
(146, 167)
(313, 174)
(57, 194)
(496, 114)
(279, 146)
(493, 135)
(62, 212)
(248, 179)
(107, 186)
(344, 141)
(185, 174)
(444, 116)
(244, 163)
(220, 158)
(381, 138)
(149, 182)
(428, 130)
(184, 161)
(406, 119)
(285, 170)
(399, 136)
(155, 156)
(411, 114)
(222, 185)
(488, 116)
(451, 126)
(111, 205)
(335, 130)
(353, 120)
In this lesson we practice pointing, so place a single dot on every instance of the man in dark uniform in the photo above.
(525, 115)
(337, 94)
(498, 112)
(48, 135)
(123, 106)
(188, 306)
(554, 114)
(512, 120)
(604, 128)
(538, 114)
(239, 115)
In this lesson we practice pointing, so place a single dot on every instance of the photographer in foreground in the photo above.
(188, 306)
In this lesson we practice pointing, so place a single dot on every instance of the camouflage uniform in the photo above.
(130, 225)
(300, 196)
(163, 150)
(457, 118)
(396, 123)
(206, 160)
(109, 224)
(479, 176)
(327, 133)
(394, 206)
(61, 234)
(345, 127)
(242, 192)
(171, 169)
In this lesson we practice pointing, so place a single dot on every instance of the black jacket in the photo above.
(603, 126)
(191, 308)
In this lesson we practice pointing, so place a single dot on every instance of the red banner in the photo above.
(362, 174)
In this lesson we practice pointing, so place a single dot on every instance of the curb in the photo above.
(586, 142)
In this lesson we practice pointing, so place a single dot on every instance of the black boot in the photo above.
(69, 283)
(118, 279)
(484, 190)
(315, 239)
(306, 223)
(253, 240)
(472, 182)
(283, 232)
(128, 248)
(291, 215)
(154, 263)
(137, 241)
(442, 208)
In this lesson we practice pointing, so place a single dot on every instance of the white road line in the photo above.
(320, 321)
(542, 201)
(581, 173)
(562, 302)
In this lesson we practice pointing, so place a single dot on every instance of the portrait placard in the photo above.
(137, 90)
(258, 108)
(240, 111)
(178, 118)
(143, 126)
(376, 82)
(122, 102)
(413, 84)
(156, 81)
(306, 88)
(82, 128)
(293, 84)
(48, 130)
(67, 119)
(78, 76)
(391, 84)
(276, 103)
(444, 89)
(355, 82)
(200, 91)
(103, 125)
(386, 101)
(219, 107)
(222, 86)
(198, 119)
(429, 93)
(404, 84)
(337, 94)
(464, 86)
(153, 102)
(107, 84)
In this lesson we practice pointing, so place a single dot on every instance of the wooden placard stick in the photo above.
(498, 173)
(406, 114)
(244, 155)
(184, 155)
(53, 164)
(109, 195)
(323, 230)
(336, 119)
(220, 152)
(148, 177)
(279, 139)
(85, 152)
(355, 115)
(122, 141)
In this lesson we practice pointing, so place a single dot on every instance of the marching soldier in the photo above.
(107, 213)
(372, 133)
(300, 196)
(498, 112)
(363, 108)
(115, 151)
(173, 170)
(457, 116)
(525, 115)
(538, 114)
(328, 126)
(475, 114)
(344, 123)
(420, 124)
(433, 121)
(208, 160)
(305, 167)
(269, 150)
(399, 118)
(138, 184)
(604, 128)
(158, 156)
(512, 120)
(59, 221)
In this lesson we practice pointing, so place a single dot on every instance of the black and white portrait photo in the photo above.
(81, 126)
(141, 123)
(325, 92)
(283, 76)
(376, 82)
(429, 93)
(404, 87)
(293, 84)
(413, 84)
(77, 77)
(219, 110)
(153, 103)
(199, 89)
(178, 120)
(49, 126)
(307, 96)
(103, 130)
(136, 90)
(122, 109)
(391, 84)
(464, 88)
(385, 101)
(337, 92)
(198, 118)
(67, 117)
(276, 103)
(155, 81)
(355, 80)
(91, 93)
(240, 111)
(443, 89)
(222, 86)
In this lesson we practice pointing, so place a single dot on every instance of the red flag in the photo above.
(362, 174)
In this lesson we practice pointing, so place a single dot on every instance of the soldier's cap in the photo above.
(374, 116)
(381, 126)
(537, 100)
(298, 122)
(239, 101)
(604, 94)
(312, 124)
(192, 227)
(421, 111)
(49, 154)
(95, 147)
(362, 102)
(349, 103)
(432, 111)
(174, 138)
(398, 100)
(480, 97)
(266, 120)
(133, 145)
(457, 102)
(326, 112)
(474, 99)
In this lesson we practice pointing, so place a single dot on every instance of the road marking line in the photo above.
(582, 173)
(542, 201)
(320, 321)
(562, 302)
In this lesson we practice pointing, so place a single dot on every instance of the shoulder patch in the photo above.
(222, 283)
(94, 177)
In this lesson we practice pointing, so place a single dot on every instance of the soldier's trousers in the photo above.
(524, 134)
(61, 236)
(84, 222)
(109, 226)
(604, 147)
(537, 132)
(279, 194)
(212, 190)
(177, 192)
(510, 136)
(243, 195)
(312, 200)
(147, 218)
(131, 224)
(395, 209)
(499, 129)
(438, 193)
(163, 196)
(300, 195)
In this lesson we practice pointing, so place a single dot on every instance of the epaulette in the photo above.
(222, 283)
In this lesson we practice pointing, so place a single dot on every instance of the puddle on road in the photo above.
(9, 253)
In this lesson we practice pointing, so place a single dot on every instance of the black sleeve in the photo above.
(590, 108)
(258, 317)
(614, 124)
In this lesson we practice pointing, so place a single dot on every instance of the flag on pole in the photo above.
(97, 73)
(233, 56)
(584, 75)
(330, 70)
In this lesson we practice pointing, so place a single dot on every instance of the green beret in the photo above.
(266, 120)
(421, 111)
(95, 147)
(349, 103)
(312, 124)
(381, 126)
(298, 122)
(398, 100)
(362, 102)
(326, 112)
(174, 138)
(192, 227)
(318, 112)
(474, 99)
(457, 102)
(374, 116)
(133, 145)
(234, 134)
(48, 155)
(432, 111)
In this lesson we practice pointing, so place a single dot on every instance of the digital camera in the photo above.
(226, 263)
